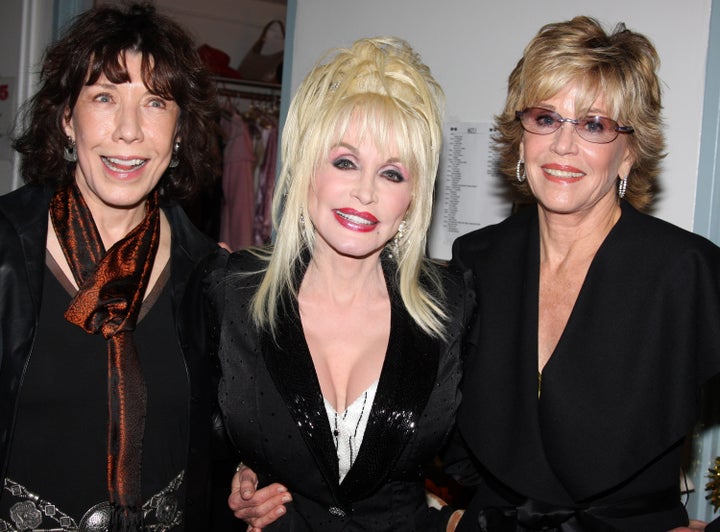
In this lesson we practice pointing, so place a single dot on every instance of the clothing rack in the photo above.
(247, 95)
(248, 89)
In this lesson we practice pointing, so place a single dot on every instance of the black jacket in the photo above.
(23, 233)
(600, 448)
(273, 409)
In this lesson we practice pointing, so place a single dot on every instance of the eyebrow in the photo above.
(391, 160)
(106, 86)
(593, 111)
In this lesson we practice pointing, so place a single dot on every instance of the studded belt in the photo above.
(161, 513)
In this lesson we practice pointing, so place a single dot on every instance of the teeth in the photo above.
(562, 173)
(123, 164)
(354, 219)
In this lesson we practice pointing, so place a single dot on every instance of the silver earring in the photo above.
(70, 151)
(174, 161)
(398, 237)
(401, 230)
(520, 176)
(622, 187)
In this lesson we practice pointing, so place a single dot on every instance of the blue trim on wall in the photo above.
(286, 91)
(65, 11)
(707, 195)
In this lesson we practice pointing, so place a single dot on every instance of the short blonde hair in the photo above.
(620, 66)
(382, 83)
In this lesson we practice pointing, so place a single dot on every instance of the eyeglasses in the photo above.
(598, 129)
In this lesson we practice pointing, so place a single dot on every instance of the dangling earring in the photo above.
(70, 151)
(520, 176)
(174, 162)
(622, 187)
(398, 237)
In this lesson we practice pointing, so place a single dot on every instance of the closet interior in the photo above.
(249, 125)
(238, 40)
(237, 211)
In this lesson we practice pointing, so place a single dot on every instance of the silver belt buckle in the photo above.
(97, 518)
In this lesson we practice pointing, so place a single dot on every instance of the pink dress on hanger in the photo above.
(265, 188)
(238, 205)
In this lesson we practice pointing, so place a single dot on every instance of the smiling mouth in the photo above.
(123, 165)
(562, 174)
(358, 220)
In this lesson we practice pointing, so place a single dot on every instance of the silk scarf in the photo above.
(112, 285)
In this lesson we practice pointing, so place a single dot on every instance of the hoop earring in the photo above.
(70, 151)
(622, 187)
(174, 161)
(520, 176)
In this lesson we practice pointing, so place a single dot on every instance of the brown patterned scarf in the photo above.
(112, 286)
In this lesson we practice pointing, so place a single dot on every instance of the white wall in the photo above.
(472, 46)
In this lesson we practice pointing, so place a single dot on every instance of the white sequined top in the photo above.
(348, 427)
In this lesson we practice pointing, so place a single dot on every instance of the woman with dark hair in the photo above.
(104, 399)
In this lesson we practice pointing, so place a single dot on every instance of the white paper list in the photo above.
(469, 193)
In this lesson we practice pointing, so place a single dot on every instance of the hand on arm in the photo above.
(694, 525)
(257, 507)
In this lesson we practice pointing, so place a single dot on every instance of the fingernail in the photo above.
(286, 498)
(247, 493)
(282, 489)
(280, 510)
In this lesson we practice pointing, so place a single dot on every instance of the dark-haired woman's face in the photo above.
(124, 139)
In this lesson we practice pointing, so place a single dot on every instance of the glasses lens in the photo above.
(597, 129)
(540, 121)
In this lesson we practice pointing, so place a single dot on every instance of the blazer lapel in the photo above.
(288, 361)
(406, 381)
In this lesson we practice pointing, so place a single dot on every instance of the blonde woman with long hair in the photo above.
(339, 345)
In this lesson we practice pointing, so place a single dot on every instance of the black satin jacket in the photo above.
(600, 448)
(275, 416)
(23, 234)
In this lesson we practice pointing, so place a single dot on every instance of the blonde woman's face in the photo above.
(568, 174)
(359, 197)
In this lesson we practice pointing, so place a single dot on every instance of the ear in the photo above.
(626, 164)
(521, 149)
(67, 123)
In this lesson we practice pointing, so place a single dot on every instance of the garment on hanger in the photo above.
(238, 186)
(250, 127)
(262, 228)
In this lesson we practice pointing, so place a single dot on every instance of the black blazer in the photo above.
(274, 413)
(23, 235)
(620, 391)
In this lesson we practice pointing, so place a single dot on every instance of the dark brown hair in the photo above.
(95, 44)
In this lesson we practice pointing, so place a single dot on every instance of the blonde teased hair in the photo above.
(383, 85)
(620, 66)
